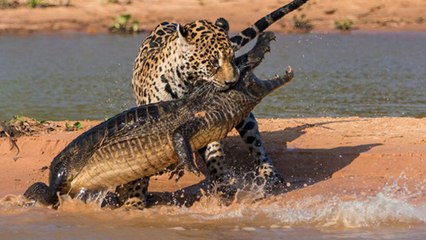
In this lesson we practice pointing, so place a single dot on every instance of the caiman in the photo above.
(144, 140)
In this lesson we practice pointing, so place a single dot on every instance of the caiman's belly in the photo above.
(123, 162)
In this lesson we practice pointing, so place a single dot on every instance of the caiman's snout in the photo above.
(261, 88)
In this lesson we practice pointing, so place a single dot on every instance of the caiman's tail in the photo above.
(41, 193)
(254, 30)
(261, 88)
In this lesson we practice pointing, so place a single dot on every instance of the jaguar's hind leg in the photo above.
(131, 195)
(218, 174)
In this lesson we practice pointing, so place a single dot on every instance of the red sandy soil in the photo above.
(327, 156)
(95, 16)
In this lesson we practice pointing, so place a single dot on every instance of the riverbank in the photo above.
(333, 157)
(96, 16)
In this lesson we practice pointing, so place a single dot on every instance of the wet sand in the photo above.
(96, 16)
(344, 157)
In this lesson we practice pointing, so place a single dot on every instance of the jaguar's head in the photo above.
(208, 54)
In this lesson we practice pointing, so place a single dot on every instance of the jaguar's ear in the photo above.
(182, 31)
(222, 23)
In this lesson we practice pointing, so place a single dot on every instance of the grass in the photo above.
(344, 25)
(124, 24)
(41, 3)
(302, 23)
(21, 120)
(34, 3)
(73, 127)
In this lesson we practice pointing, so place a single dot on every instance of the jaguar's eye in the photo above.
(215, 63)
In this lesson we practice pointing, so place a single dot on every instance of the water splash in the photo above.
(394, 205)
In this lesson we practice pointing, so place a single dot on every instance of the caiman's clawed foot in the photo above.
(255, 56)
(262, 46)
(179, 170)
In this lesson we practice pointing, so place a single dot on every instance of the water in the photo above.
(57, 77)
(385, 215)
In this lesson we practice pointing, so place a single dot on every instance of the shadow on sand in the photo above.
(300, 167)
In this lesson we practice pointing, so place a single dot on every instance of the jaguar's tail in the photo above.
(254, 30)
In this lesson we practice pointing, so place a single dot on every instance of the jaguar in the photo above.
(172, 58)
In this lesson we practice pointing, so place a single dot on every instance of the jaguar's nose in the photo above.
(236, 74)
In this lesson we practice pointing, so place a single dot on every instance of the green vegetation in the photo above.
(344, 25)
(125, 24)
(75, 126)
(34, 3)
(41, 3)
(18, 118)
(302, 23)
(22, 119)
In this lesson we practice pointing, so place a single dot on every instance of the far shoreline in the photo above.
(84, 33)
(95, 17)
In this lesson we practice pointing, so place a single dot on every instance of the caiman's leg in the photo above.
(184, 153)
(182, 147)
(41, 193)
